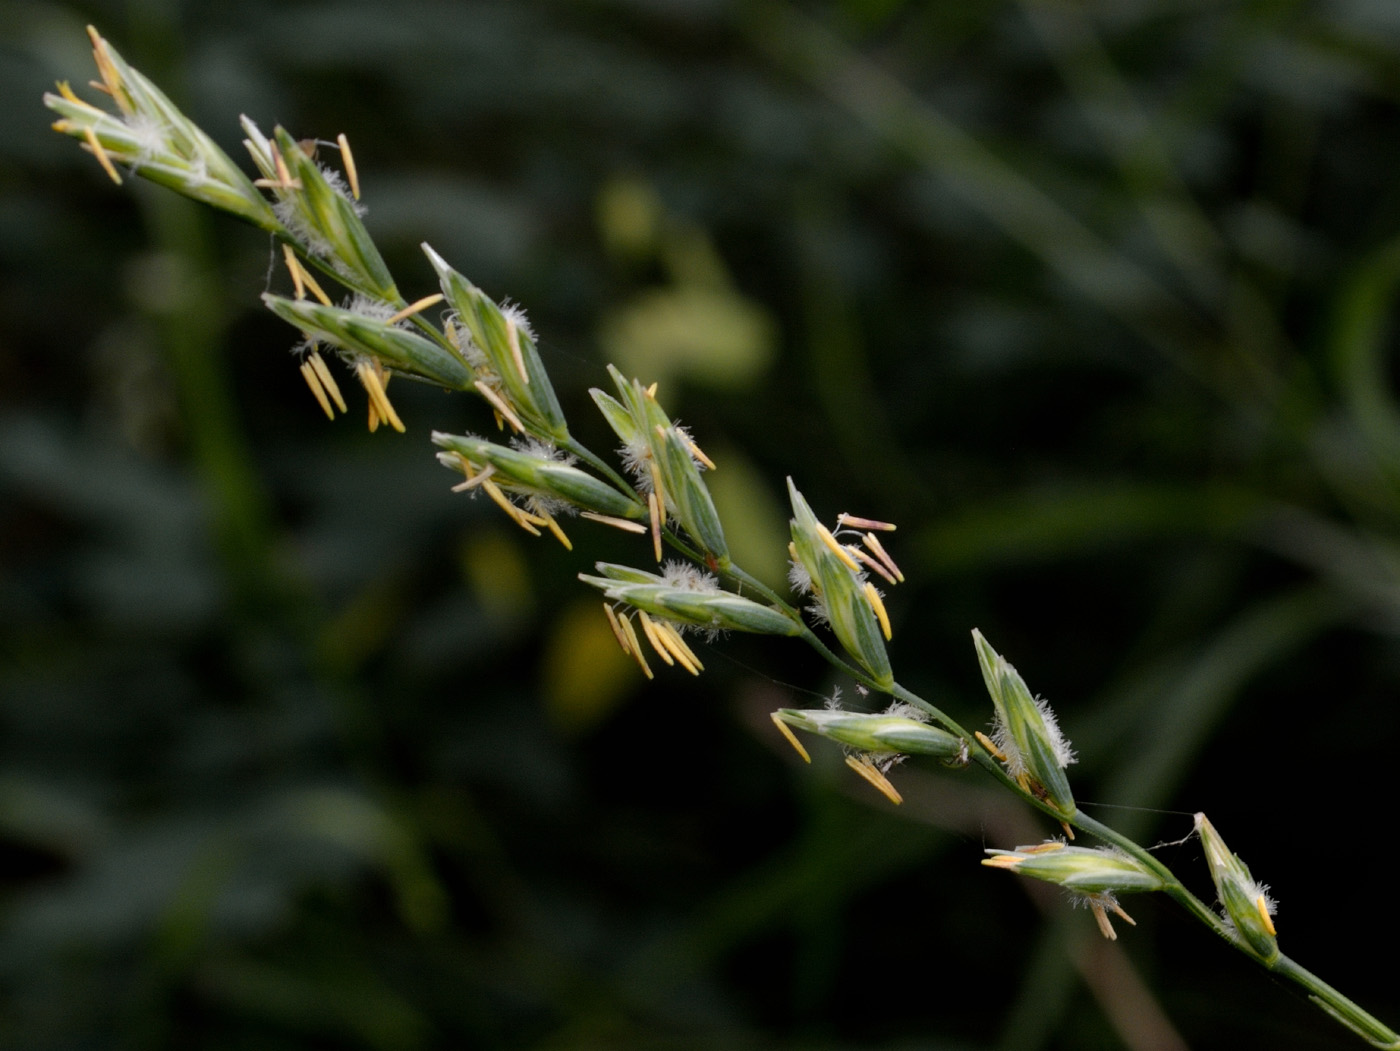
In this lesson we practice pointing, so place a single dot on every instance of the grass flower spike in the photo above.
(365, 330)
(1095, 875)
(880, 733)
(689, 597)
(544, 474)
(842, 596)
(1247, 905)
(1026, 736)
(666, 464)
(152, 138)
(501, 347)
(321, 211)
(542, 477)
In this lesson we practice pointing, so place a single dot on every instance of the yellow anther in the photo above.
(474, 477)
(616, 628)
(992, 749)
(348, 159)
(414, 307)
(298, 285)
(868, 770)
(836, 548)
(654, 508)
(66, 90)
(671, 639)
(502, 409)
(872, 563)
(513, 338)
(313, 381)
(636, 646)
(373, 377)
(873, 542)
(553, 527)
(625, 524)
(649, 629)
(101, 154)
(107, 69)
(97, 85)
(1101, 917)
(301, 277)
(1262, 905)
(656, 485)
(786, 731)
(856, 522)
(1048, 847)
(284, 175)
(1002, 861)
(498, 497)
(699, 454)
(651, 392)
(323, 373)
(872, 596)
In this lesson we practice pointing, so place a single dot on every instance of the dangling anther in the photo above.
(868, 770)
(414, 308)
(348, 159)
(101, 154)
(786, 731)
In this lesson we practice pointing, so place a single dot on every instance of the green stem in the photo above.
(1341, 1007)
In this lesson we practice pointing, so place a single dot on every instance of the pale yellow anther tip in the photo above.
(348, 159)
(872, 596)
(1263, 906)
(786, 731)
(867, 770)
(100, 153)
(1101, 917)
(987, 743)
(616, 629)
(836, 549)
(625, 524)
(313, 381)
(414, 308)
(503, 411)
(559, 535)
(654, 507)
(1002, 861)
(516, 354)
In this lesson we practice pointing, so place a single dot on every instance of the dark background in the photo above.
(298, 749)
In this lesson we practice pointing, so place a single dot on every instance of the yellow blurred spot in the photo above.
(497, 573)
(628, 214)
(584, 676)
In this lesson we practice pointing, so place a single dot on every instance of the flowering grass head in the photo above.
(510, 366)
(1026, 735)
(541, 477)
(830, 572)
(1094, 875)
(1246, 903)
(666, 464)
(150, 136)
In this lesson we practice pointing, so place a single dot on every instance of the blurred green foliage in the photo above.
(302, 750)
